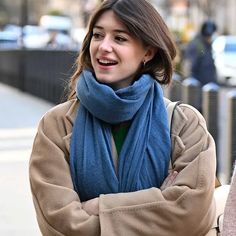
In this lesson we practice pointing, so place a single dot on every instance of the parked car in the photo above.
(224, 51)
(35, 37)
(59, 28)
(56, 23)
(14, 29)
(78, 35)
(8, 40)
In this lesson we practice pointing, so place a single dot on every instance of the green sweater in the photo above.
(119, 133)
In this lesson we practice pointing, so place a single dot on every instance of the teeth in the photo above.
(106, 61)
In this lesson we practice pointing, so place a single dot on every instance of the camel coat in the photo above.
(186, 208)
(229, 222)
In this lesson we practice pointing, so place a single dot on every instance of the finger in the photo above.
(169, 180)
(166, 181)
(173, 176)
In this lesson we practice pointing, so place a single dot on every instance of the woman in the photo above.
(99, 160)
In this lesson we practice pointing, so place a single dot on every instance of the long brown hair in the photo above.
(146, 24)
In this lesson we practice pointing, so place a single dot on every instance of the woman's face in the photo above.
(115, 54)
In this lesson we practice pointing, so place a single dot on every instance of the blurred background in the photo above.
(28, 18)
(39, 43)
(61, 25)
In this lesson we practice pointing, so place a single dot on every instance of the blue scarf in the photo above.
(145, 154)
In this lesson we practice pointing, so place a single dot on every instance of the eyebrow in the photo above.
(116, 30)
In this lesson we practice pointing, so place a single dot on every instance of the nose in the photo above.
(106, 44)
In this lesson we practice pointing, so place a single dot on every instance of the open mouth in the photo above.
(107, 62)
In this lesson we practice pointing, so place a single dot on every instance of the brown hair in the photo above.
(146, 24)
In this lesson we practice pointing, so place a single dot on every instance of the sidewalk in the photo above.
(19, 117)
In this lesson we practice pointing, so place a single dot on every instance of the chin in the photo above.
(103, 79)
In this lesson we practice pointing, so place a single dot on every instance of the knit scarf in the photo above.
(145, 154)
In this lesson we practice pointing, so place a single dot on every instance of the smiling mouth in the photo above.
(106, 62)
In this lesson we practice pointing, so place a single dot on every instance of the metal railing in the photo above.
(43, 73)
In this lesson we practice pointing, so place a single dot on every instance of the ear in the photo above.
(150, 53)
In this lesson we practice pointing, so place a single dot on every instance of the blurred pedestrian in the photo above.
(229, 220)
(52, 42)
(99, 164)
(198, 58)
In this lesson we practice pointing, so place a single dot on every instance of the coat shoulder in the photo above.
(67, 108)
(59, 120)
(185, 115)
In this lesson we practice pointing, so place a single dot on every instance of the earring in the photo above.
(144, 63)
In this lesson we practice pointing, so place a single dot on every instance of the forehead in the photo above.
(108, 20)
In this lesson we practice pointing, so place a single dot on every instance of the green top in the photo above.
(119, 133)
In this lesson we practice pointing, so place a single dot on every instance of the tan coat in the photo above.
(229, 222)
(184, 209)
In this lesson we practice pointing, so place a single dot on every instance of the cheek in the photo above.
(92, 49)
(137, 55)
(135, 60)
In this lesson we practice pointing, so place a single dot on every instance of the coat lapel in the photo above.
(69, 120)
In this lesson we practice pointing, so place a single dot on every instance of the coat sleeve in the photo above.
(185, 208)
(58, 207)
(229, 228)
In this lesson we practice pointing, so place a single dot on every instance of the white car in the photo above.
(35, 37)
(224, 51)
(58, 23)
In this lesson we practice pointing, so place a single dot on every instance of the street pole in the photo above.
(23, 18)
(22, 57)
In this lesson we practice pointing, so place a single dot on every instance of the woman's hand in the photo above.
(91, 206)
(169, 180)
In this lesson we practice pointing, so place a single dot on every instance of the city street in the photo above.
(19, 117)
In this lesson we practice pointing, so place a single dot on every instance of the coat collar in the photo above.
(70, 117)
(71, 113)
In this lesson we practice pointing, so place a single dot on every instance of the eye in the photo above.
(120, 39)
(97, 35)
